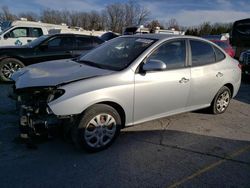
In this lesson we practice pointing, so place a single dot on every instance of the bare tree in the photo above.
(173, 24)
(31, 16)
(153, 24)
(5, 14)
(115, 15)
(51, 16)
(143, 15)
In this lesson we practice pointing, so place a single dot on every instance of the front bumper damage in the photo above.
(36, 118)
(33, 124)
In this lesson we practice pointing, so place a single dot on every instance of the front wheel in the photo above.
(97, 129)
(8, 66)
(221, 101)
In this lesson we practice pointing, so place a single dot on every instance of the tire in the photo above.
(94, 135)
(221, 101)
(8, 66)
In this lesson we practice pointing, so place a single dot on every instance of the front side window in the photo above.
(19, 32)
(61, 43)
(173, 54)
(202, 53)
(118, 53)
(54, 43)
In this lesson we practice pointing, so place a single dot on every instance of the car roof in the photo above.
(161, 36)
(70, 34)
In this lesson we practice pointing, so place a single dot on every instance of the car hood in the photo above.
(53, 73)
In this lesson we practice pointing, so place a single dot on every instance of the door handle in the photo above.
(183, 80)
(69, 52)
(219, 74)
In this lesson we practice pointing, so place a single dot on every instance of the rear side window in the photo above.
(219, 54)
(37, 32)
(202, 53)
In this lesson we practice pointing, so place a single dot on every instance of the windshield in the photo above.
(118, 53)
(37, 41)
(4, 30)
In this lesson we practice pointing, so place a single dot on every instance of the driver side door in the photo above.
(55, 48)
(165, 92)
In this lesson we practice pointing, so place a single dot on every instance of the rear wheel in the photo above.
(8, 66)
(221, 101)
(97, 129)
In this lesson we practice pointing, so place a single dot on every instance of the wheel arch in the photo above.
(12, 57)
(230, 87)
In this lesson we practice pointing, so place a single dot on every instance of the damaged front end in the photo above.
(36, 118)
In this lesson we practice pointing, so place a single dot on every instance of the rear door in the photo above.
(162, 93)
(206, 73)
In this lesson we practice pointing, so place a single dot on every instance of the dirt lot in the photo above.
(187, 150)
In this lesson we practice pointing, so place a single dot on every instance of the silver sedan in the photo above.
(126, 81)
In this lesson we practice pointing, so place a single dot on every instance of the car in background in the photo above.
(21, 32)
(126, 81)
(109, 35)
(44, 48)
(245, 64)
(225, 46)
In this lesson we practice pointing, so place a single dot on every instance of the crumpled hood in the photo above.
(53, 73)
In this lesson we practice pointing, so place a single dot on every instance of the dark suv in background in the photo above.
(44, 48)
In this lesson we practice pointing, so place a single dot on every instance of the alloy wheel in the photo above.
(100, 130)
(9, 68)
(223, 101)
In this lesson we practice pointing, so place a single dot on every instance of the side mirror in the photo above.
(154, 65)
(6, 36)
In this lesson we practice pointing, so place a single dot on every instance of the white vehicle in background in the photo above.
(21, 32)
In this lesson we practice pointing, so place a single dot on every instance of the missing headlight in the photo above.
(55, 95)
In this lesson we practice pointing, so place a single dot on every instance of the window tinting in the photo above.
(67, 43)
(173, 54)
(61, 43)
(37, 32)
(219, 54)
(84, 42)
(202, 53)
(54, 43)
(19, 32)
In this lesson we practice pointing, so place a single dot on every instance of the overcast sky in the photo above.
(187, 12)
